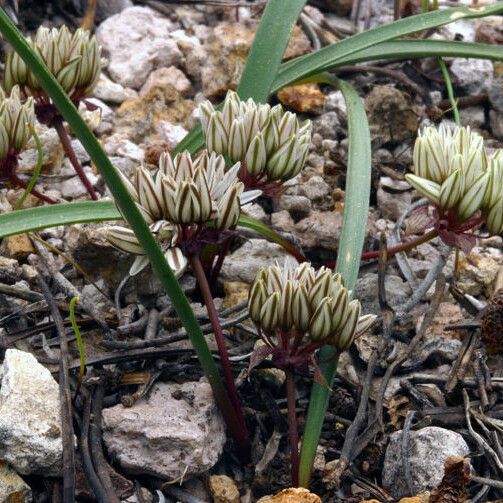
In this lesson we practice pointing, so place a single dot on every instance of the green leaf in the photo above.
(268, 49)
(269, 46)
(412, 49)
(328, 57)
(268, 233)
(43, 217)
(356, 205)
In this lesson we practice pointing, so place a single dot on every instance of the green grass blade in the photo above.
(268, 233)
(305, 66)
(412, 49)
(348, 259)
(43, 217)
(264, 59)
(134, 217)
(268, 49)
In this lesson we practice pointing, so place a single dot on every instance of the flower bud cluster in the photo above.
(14, 119)
(306, 301)
(75, 61)
(184, 193)
(270, 143)
(453, 170)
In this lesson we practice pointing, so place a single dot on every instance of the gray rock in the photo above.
(334, 102)
(30, 421)
(473, 117)
(107, 8)
(496, 122)
(321, 229)
(392, 199)
(298, 206)
(172, 134)
(137, 41)
(328, 125)
(474, 76)
(282, 221)
(315, 188)
(397, 290)
(111, 92)
(167, 76)
(175, 432)
(245, 262)
(12, 487)
(428, 449)
(73, 187)
(496, 94)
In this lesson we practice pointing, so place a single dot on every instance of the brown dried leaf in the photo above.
(453, 488)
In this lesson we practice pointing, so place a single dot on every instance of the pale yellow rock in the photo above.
(17, 246)
(292, 495)
(235, 292)
(223, 489)
(13, 489)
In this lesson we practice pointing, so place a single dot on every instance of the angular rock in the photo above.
(391, 116)
(302, 98)
(292, 495)
(282, 221)
(107, 8)
(176, 431)
(138, 118)
(30, 421)
(474, 76)
(137, 41)
(327, 125)
(428, 449)
(223, 489)
(315, 188)
(496, 121)
(320, 230)
(397, 290)
(473, 117)
(478, 277)
(245, 262)
(392, 200)
(298, 206)
(496, 94)
(171, 134)
(111, 92)
(167, 76)
(13, 489)
(227, 48)
(17, 246)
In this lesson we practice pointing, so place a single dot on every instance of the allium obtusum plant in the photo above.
(296, 311)
(271, 144)
(189, 204)
(462, 182)
(15, 118)
(75, 61)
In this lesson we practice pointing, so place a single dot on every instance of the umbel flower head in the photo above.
(75, 61)
(187, 203)
(297, 310)
(14, 131)
(452, 169)
(271, 144)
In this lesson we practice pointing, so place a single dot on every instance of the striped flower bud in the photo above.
(452, 169)
(182, 193)
(74, 60)
(270, 143)
(14, 120)
(313, 304)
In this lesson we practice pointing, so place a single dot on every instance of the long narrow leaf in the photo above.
(43, 217)
(134, 217)
(268, 49)
(412, 49)
(276, 24)
(325, 58)
(356, 204)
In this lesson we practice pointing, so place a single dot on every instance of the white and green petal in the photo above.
(428, 188)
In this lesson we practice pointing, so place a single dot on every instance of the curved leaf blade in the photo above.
(44, 217)
(354, 222)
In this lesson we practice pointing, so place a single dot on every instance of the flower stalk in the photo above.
(240, 435)
(293, 433)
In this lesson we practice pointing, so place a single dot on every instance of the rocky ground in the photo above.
(161, 431)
